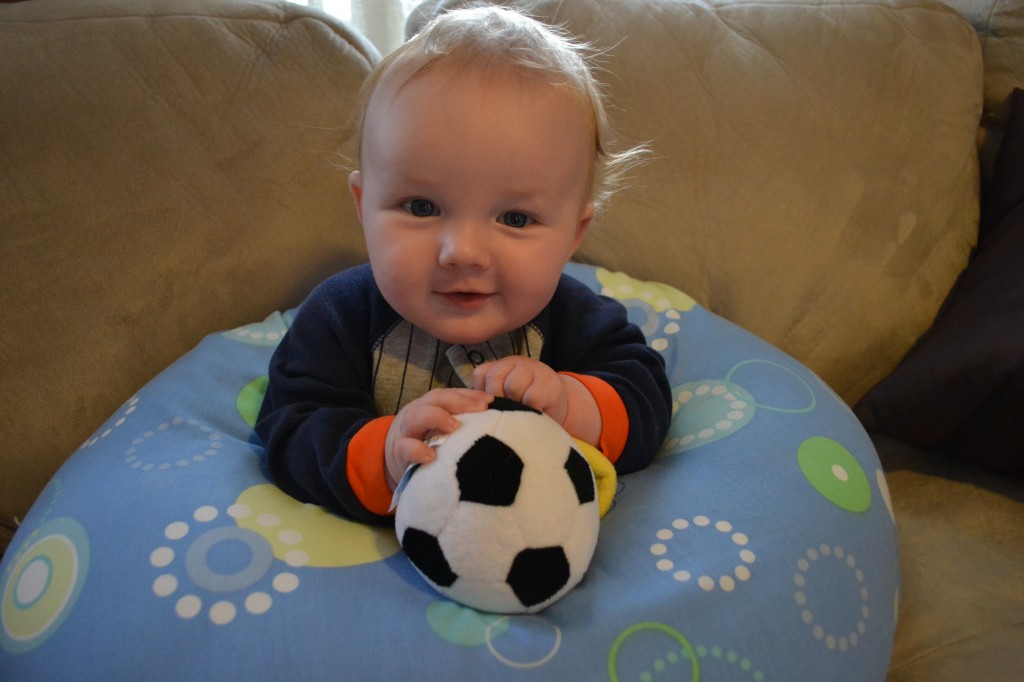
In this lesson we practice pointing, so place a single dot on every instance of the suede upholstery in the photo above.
(169, 169)
(774, 145)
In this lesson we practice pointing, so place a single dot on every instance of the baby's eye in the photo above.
(421, 208)
(515, 219)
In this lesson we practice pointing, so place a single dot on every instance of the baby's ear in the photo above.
(355, 186)
(581, 227)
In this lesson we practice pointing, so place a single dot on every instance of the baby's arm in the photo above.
(589, 338)
(531, 382)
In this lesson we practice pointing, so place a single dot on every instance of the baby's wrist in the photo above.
(582, 417)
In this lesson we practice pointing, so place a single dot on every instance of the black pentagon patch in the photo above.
(538, 574)
(424, 551)
(578, 468)
(489, 473)
(509, 405)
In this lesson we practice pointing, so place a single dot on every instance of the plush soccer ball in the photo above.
(506, 518)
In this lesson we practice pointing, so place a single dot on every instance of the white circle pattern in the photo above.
(129, 409)
(134, 454)
(726, 582)
(738, 412)
(223, 611)
(833, 641)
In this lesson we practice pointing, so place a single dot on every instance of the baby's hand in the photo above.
(536, 385)
(428, 415)
(525, 380)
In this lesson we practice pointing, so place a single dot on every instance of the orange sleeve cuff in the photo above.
(614, 418)
(367, 474)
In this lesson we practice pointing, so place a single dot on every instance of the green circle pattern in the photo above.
(250, 399)
(733, 659)
(835, 473)
(659, 665)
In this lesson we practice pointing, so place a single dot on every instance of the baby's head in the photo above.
(502, 42)
(482, 159)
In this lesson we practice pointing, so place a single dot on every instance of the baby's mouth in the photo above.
(466, 300)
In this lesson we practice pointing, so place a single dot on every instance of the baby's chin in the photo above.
(459, 339)
(464, 332)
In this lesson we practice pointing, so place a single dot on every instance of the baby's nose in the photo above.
(464, 244)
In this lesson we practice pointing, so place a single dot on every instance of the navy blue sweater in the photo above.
(322, 376)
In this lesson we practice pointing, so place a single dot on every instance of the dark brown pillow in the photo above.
(960, 390)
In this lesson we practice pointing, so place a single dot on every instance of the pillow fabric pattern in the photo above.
(759, 545)
(960, 390)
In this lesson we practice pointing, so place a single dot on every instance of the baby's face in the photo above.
(473, 193)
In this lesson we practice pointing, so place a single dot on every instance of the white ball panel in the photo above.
(480, 541)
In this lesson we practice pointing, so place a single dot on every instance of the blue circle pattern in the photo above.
(198, 563)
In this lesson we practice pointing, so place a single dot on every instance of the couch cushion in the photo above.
(961, 536)
(815, 177)
(166, 169)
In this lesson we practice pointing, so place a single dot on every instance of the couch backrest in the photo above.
(816, 178)
(167, 169)
(1000, 27)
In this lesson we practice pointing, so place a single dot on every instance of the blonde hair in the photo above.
(498, 38)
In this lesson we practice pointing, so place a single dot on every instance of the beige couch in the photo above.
(169, 169)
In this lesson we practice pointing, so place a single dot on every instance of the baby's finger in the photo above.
(413, 451)
(521, 384)
(421, 420)
(480, 373)
(456, 400)
(490, 378)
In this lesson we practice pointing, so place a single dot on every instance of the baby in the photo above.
(481, 164)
